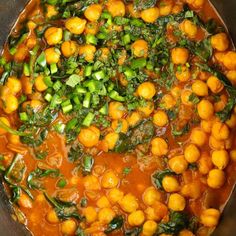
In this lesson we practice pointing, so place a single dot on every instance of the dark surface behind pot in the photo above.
(9, 10)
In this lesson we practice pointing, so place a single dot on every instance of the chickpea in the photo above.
(176, 202)
(160, 118)
(53, 35)
(10, 104)
(12, 138)
(146, 109)
(189, 28)
(120, 125)
(205, 164)
(40, 84)
(116, 8)
(229, 60)
(68, 227)
(157, 211)
(93, 12)
(205, 109)
(90, 214)
(216, 178)
(177, 8)
(146, 90)
(134, 118)
(52, 55)
(179, 55)
(89, 137)
(91, 182)
(52, 217)
(176, 92)
(111, 139)
(116, 110)
(115, 195)
(220, 105)
(185, 97)
(21, 53)
(231, 122)
(198, 137)
(165, 7)
(215, 143)
(200, 88)
(91, 28)
(6, 122)
(150, 15)
(14, 85)
(151, 195)
(68, 48)
(87, 51)
(129, 203)
(105, 215)
(140, 48)
(220, 130)
(24, 201)
(159, 147)
(220, 42)
(215, 84)
(132, 11)
(27, 85)
(149, 228)
(170, 184)
(183, 73)
(103, 202)
(220, 158)
(109, 179)
(231, 75)
(210, 217)
(178, 164)
(206, 125)
(51, 11)
(191, 153)
(168, 101)
(75, 25)
(196, 3)
(136, 218)
(192, 190)
(185, 232)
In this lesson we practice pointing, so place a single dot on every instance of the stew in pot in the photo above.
(118, 117)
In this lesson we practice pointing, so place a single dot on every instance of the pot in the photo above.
(9, 11)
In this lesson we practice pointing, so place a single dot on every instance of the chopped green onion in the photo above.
(61, 183)
(138, 63)
(99, 75)
(67, 35)
(57, 85)
(91, 39)
(23, 116)
(104, 109)
(93, 85)
(48, 97)
(87, 99)
(67, 108)
(26, 69)
(47, 80)
(88, 119)
(88, 71)
(53, 68)
(115, 96)
(71, 124)
(88, 162)
(129, 73)
(74, 80)
(59, 128)
(79, 89)
(56, 100)
(126, 39)
(41, 60)
(13, 51)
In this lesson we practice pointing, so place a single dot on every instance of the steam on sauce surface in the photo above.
(118, 117)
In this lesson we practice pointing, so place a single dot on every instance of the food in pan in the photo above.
(118, 117)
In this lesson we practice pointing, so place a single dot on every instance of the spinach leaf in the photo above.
(144, 4)
(177, 222)
(75, 153)
(15, 172)
(175, 132)
(158, 177)
(34, 179)
(64, 210)
(80, 232)
(115, 224)
(87, 164)
(143, 133)
(133, 232)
